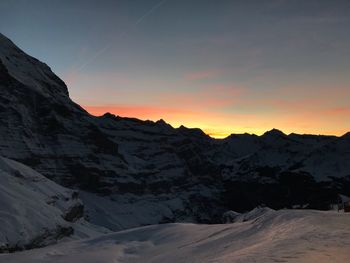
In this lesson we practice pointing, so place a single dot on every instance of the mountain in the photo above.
(144, 172)
(41, 127)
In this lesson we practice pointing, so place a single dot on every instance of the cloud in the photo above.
(209, 97)
(339, 112)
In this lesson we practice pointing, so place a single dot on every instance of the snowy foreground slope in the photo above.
(35, 211)
(272, 236)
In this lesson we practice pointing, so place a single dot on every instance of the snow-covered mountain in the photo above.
(321, 156)
(177, 175)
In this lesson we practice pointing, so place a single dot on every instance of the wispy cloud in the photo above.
(202, 75)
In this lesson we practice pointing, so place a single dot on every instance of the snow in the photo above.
(267, 236)
(32, 209)
(121, 212)
(124, 211)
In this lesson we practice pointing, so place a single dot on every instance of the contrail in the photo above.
(154, 8)
(138, 21)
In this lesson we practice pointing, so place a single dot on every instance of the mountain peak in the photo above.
(109, 115)
(191, 131)
(161, 121)
(274, 132)
(30, 71)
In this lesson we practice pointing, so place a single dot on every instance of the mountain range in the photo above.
(120, 173)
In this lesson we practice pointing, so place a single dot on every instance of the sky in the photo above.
(222, 66)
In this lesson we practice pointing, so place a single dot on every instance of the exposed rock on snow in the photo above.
(234, 217)
(74, 212)
(230, 217)
(254, 214)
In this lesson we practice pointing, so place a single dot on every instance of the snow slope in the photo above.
(35, 211)
(266, 236)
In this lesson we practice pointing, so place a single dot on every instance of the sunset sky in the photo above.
(223, 66)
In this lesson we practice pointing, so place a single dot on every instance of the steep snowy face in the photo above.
(30, 71)
(34, 211)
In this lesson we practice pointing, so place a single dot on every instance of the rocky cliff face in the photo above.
(182, 172)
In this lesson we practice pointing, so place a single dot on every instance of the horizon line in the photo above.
(211, 134)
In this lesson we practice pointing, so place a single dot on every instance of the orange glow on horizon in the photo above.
(213, 125)
(218, 108)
